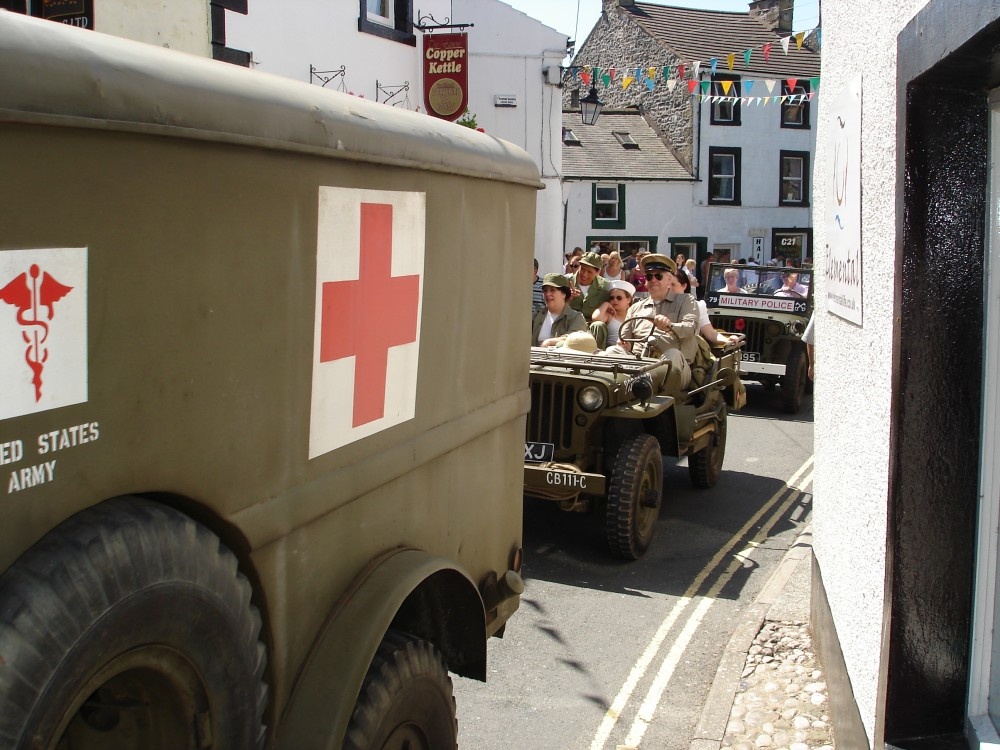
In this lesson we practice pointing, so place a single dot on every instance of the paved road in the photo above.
(605, 653)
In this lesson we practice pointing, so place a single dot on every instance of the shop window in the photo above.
(727, 111)
(389, 19)
(724, 177)
(794, 188)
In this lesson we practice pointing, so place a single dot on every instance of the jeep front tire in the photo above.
(634, 495)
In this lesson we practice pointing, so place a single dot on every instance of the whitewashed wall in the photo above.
(761, 140)
(853, 364)
(180, 24)
(653, 209)
(507, 53)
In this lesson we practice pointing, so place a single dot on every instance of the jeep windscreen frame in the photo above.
(761, 289)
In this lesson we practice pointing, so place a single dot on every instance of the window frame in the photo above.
(399, 30)
(618, 222)
(736, 153)
(735, 120)
(803, 156)
(801, 87)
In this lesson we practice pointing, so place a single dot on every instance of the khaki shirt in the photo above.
(680, 309)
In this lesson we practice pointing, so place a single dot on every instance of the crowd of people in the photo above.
(645, 304)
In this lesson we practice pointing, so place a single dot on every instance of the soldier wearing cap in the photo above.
(552, 323)
(671, 332)
(590, 290)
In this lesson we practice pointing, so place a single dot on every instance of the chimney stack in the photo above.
(776, 15)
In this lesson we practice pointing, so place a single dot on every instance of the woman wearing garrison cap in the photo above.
(550, 325)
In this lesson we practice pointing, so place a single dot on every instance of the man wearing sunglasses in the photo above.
(670, 333)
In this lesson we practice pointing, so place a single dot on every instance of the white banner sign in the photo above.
(843, 206)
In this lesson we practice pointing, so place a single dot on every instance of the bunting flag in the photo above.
(690, 72)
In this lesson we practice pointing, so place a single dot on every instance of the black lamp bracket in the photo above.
(429, 23)
(325, 76)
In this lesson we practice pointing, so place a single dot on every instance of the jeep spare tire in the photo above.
(129, 626)
(633, 496)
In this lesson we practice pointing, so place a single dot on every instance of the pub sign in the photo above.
(446, 75)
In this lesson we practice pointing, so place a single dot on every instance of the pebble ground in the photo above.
(781, 702)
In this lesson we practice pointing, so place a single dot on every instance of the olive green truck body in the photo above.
(246, 310)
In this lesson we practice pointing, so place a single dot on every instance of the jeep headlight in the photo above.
(590, 398)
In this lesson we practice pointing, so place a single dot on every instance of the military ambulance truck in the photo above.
(260, 467)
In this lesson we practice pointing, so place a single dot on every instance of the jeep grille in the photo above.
(755, 330)
(551, 416)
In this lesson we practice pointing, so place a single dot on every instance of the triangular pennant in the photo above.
(627, 81)
(595, 73)
(798, 39)
(680, 70)
(726, 85)
(573, 70)
(667, 74)
(606, 78)
(704, 87)
(697, 68)
(747, 53)
(612, 73)
(747, 86)
(692, 85)
(769, 83)
(585, 77)
(650, 83)
(731, 59)
(714, 62)
(652, 74)
(784, 43)
(811, 95)
(791, 83)
(767, 51)
(814, 83)
(671, 84)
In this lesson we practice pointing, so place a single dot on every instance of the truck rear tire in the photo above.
(634, 495)
(705, 466)
(129, 626)
(793, 383)
(406, 700)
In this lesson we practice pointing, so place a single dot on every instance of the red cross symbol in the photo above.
(363, 318)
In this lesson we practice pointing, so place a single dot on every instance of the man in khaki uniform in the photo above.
(671, 332)
(590, 289)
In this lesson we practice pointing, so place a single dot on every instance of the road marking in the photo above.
(638, 670)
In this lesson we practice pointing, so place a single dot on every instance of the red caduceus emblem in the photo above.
(30, 294)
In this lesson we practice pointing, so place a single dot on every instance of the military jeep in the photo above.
(599, 426)
(772, 314)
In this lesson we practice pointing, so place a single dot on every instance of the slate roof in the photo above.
(600, 155)
(699, 35)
